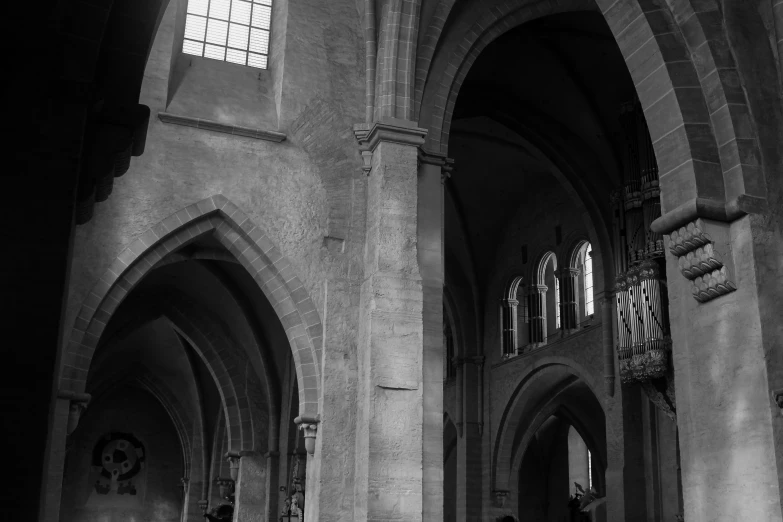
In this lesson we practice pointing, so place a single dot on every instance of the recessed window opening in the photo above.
(588, 274)
(589, 470)
(557, 303)
(235, 31)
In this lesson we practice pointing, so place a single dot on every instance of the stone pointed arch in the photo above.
(140, 376)
(249, 244)
(520, 405)
(211, 344)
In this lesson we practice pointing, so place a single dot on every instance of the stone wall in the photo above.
(158, 496)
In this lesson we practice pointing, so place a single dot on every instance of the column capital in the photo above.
(537, 289)
(567, 272)
(477, 360)
(392, 130)
(309, 425)
(510, 302)
(74, 396)
(439, 160)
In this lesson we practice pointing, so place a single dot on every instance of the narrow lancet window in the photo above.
(588, 264)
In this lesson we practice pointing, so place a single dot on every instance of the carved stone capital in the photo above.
(203, 504)
(78, 403)
(500, 497)
(777, 395)
(476, 360)
(537, 289)
(565, 272)
(309, 425)
(233, 463)
(438, 159)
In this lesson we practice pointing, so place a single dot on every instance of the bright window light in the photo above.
(557, 303)
(588, 280)
(235, 31)
(589, 470)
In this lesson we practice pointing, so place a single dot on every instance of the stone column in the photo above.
(721, 369)
(569, 299)
(248, 471)
(434, 171)
(67, 411)
(469, 444)
(391, 450)
(537, 310)
(272, 471)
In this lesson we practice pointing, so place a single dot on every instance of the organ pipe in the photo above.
(643, 340)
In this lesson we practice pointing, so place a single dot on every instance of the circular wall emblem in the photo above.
(119, 455)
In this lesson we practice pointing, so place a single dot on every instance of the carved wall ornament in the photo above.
(78, 403)
(233, 464)
(500, 497)
(700, 262)
(309, 425)
(777, 395)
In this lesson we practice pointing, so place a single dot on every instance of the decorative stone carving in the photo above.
(699, 261)
(500, 497)
(310, 431)
(233, 464)
(203, 504)
(225, 488)
(777, 395)
(79, 403)
(309, 425)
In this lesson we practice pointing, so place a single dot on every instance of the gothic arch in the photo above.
(212, 345)
(559, 407)
(141, 377)
(250, 246)
(669, 52)
(521, 404)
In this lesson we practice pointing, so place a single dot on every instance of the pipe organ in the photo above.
(643, 341)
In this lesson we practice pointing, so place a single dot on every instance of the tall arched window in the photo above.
(513, 318)
(552, 304)
(234, 31)
(588, 279)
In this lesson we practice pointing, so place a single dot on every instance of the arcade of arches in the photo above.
(413, 260)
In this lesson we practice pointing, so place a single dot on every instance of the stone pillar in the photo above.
(720, 359)
(434, 171)
(391, 451)
(248, 471)
(510, 343)
(68, 409)
(537, 310)
(469, 444)
(272, 471)
(569, 298)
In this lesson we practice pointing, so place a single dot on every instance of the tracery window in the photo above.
(234, 31)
